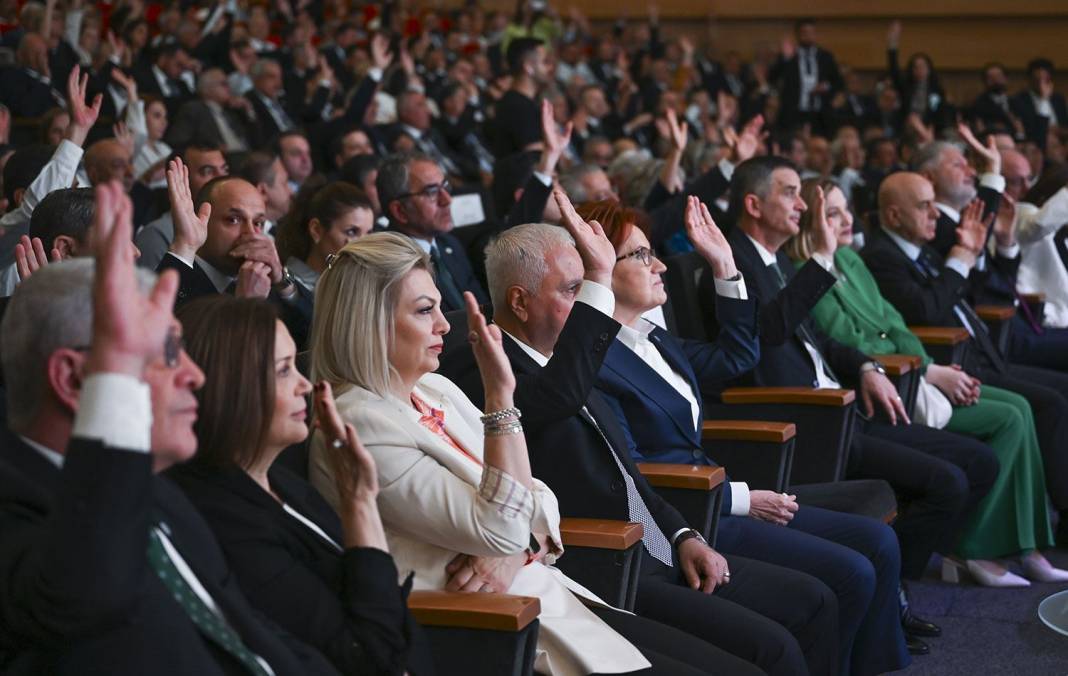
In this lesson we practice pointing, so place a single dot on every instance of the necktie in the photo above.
(802, 330)
(1025, 309)
(652, 537)
(210, 623)
(453, 297)
(279, 115)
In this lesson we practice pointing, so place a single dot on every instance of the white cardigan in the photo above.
(1041, 268)
(432, 511)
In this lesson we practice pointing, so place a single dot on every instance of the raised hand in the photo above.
(989, 153)
(352, 464)
(708, 239)
(30, 256)
(381, 56)
(677, 133)
(554, 142)
(825, 239)
(190, 225)
(788, 48)
(745, 145)
(598, 254)
(129, 329)
(893, 34)
(128, 84)
(1005, 222)
(971, 232)
(82, 116)
(124, 136)
(487, 343)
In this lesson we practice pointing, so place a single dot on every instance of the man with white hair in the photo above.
(552, 299)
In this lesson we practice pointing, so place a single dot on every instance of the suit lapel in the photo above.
(649, 385)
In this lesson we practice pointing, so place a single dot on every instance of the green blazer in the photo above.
(856, 314)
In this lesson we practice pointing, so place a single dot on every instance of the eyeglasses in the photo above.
(432, 191)
(642, 253)
(173, 345)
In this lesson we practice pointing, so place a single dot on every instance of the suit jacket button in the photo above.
(697, 453)
(617, 486)
(883, 335)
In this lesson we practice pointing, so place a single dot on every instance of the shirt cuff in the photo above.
(545, 179)
(825, 263)
(732, 288)
(995, 182)
(959, 266)
(739, 498)
(181, 258)
(726, 167)
(597, 296)
(375, 74)
(116, 409)
(676, 534)
(1009, 251)
(511, 498)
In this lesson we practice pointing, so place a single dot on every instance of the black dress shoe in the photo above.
(917, 626)
(916, 646)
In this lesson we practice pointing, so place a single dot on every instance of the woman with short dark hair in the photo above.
(330, 582)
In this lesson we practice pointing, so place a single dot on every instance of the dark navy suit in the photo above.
(855, 556)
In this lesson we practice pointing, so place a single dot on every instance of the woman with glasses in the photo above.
(458, 501)
(656, 384)
(1011, 520)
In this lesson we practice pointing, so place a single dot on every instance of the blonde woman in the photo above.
(456, 496)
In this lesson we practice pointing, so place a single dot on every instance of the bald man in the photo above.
(219, 247)
(27, 89)
(110, 160)
(931, 290)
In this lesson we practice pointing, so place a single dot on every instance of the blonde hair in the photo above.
(354, 305)
(799, 247)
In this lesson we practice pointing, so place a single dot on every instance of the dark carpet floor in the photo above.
(988, 631)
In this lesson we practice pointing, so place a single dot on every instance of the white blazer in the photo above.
(432, 511)
(1041, 267)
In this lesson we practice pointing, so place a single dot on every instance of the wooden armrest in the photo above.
(748, 430)
(789, 395)
(502, 612)
(1036, 297)
(671, 475)
(600, 533)
(940, 335)
(995, 313)
(898, 364)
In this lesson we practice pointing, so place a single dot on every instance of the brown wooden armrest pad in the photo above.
(503, 612)
(898, 364)
(671, 475)
(600, 533)
(940, 335)
(788, 395)
(995, 313)
(1036, 297)
(749, 430)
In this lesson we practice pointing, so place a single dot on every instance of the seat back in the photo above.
(682, 278)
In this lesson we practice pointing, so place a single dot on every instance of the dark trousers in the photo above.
(672, 651)
(1048, 351)
(856, 556)
(939, 478)
(781, 620)
(1047, 392)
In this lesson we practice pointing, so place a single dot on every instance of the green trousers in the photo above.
(1012, 518)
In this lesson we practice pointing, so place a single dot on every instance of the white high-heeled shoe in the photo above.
(1041, 570)
(951, 570)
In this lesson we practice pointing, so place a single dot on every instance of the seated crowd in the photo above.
(311, 308)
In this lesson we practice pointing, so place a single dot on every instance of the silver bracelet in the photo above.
(503, 430)
(503, 414)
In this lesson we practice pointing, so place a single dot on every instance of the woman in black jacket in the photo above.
(329, 581)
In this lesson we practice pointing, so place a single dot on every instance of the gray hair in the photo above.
(929, 154)
(517, 257)
(394, 174)
(51, 310)
(259, 66)
(571, 182)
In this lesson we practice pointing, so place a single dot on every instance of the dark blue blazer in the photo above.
(656, 420)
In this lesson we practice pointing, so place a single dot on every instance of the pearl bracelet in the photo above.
(501, 415)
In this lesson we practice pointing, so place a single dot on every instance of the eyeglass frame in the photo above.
(432, 191)
(173, 345)
(642, 253)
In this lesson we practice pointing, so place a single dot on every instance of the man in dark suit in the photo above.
(215, 117)
(940, 475)
(107, 568)
(1038, 106)
(808, 77)
(27, 88)
(415, 197)
(273, 114)
(554, 305)
(228, 252)
(991, 109)
(162, 76)
(928, 288)
(414, 121)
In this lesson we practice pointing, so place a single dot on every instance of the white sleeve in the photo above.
(597, 296)
(1035, 223)
(56, 175)
(732, 288)
(958, 265)
(117, 410)
(726, 167)
(995, 182)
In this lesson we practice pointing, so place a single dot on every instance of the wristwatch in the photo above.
(287, 280)
(872, 365)
(690, 534)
